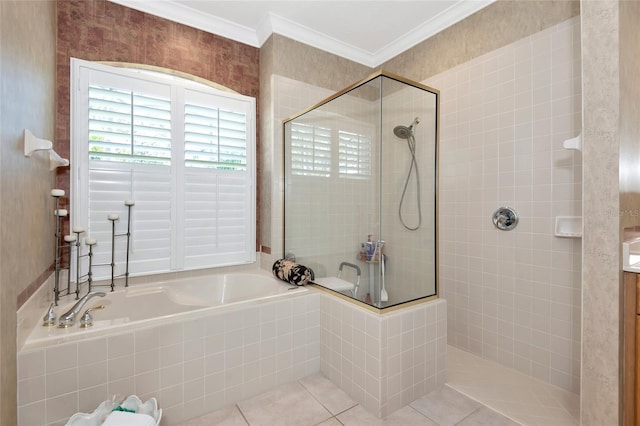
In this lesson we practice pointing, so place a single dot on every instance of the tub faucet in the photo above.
(69, 318)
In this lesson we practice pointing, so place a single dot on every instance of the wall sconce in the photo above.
(32, 144)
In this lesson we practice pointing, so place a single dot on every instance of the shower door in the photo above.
(360, 190)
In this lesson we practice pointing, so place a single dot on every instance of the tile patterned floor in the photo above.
(315, 400)
(473, 385)
(524, 399)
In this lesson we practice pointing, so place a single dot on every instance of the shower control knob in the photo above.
(505, 218)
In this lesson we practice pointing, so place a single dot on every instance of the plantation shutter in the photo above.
(184, 154)
(150, 221)
(129, 158)
(217, 182)
(354, 154)
(310, 150)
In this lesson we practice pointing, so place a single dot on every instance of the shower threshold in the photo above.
(522, 398)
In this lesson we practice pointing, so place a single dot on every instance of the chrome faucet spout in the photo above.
(69, 318)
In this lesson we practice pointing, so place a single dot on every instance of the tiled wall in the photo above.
(191, 367)
(288, 98)
(411, 258)
(383, 361)
(198, 365)
(281, 56)
(329, 218)
(513, 297)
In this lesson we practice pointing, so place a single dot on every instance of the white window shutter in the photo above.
(184, 152)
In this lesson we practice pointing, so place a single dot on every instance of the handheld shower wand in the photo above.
(403, 132)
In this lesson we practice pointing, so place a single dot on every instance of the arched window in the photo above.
(183, 151)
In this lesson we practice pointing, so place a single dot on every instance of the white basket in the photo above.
(132, 402)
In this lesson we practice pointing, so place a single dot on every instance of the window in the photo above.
(184, 152)
(312, 146)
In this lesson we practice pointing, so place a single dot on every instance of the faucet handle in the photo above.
(49, 319)
(87, 320)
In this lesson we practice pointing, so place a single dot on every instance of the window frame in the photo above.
(177, 87)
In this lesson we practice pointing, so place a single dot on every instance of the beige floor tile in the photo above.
(332, 397)
(484, 416)
(406, 416)
(445, 406)
(289, 404)
(331, 422)
(228, 416)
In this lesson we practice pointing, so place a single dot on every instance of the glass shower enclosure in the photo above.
(360, 187)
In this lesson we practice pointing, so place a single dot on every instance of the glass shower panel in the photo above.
(350, 182)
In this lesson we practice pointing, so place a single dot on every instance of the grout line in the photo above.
(467, 416)
(242, 414)
(422, 414)
(326, 420)
(500, 412)
(314, 397)
(346, 409)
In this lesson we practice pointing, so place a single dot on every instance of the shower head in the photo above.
(404, 132)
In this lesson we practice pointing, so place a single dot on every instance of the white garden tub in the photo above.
(160, 302)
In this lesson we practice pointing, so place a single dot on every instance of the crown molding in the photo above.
(273, 23)
(456, 13)
(311, 37)
(182, 14)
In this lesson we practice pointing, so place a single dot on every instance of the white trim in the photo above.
(306, 35)
(186, 15)
(273, 23)
(440, 22)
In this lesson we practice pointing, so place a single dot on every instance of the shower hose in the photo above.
(411, 142)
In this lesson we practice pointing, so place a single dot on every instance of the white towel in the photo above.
(121, 418)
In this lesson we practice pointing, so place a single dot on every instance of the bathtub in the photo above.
(195, 344)
(199, 344)
(160, 302)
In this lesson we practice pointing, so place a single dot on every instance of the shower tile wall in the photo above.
(289, 98)
(513, 297)
(410, 267)
(384, 362)
(349, 210)
(350, 205)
